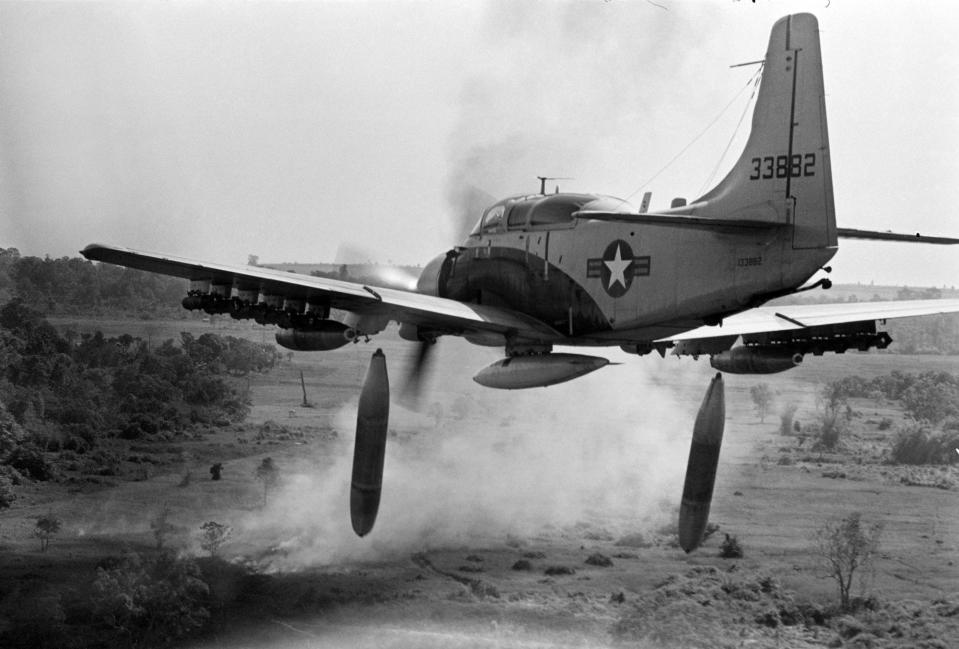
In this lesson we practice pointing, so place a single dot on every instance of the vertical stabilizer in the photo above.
(784, 174)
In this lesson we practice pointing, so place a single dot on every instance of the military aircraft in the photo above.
(589, 270)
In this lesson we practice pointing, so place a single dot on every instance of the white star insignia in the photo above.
(617, 268)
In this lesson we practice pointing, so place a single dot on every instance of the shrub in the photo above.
(214, 535)
(151, 601)
(31, 461)
(917, 445)
(730, 548)
(559, 570)
(600, 560)
(829, 428)
(762, 396)
(786, 419)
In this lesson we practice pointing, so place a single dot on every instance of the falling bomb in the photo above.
(372, 418)
(701, 468)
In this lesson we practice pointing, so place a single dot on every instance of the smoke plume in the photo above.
(607, 450)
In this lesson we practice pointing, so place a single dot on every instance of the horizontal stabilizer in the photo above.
(852, 233)
(679, 220)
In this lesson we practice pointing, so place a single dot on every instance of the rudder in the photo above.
(784, 173)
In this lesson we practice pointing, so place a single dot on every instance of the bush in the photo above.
(830, 426)
(559, 570)
(786, 419)
(762, 396)
(31, 461)
(600, 560)
(214, 535)
(917, 445)
(151, 600)
(730, 548)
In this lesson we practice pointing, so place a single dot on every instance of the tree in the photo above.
(762, 396)
(268, 474)
(848, 546)
(214, 535)
(933, 397)
(151, 601)
(47, 527)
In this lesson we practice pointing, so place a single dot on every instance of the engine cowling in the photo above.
(323, 336)
(755, 360)
(432, 280)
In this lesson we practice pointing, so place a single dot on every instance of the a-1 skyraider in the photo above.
(587, 270)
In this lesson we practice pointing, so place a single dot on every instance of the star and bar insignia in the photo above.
(617, 268)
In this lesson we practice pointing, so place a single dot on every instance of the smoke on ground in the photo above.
(481, 466)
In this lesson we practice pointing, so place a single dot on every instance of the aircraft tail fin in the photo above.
(784, 173)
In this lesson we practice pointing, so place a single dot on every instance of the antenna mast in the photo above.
(543, 179)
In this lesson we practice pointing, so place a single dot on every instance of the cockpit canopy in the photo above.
(537, 211)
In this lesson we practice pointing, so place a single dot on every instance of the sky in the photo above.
(293, 131)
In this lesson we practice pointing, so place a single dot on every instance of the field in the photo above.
(478, 482)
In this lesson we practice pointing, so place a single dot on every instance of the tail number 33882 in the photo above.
(784, 166)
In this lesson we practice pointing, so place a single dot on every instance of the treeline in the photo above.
(934, 334)
(70, 393)
(931, 399)
(75, 286)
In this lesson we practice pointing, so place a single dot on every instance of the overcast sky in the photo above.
(219, 130)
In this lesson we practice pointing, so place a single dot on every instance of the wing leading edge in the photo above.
(402, 306)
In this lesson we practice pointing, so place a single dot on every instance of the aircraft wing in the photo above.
(811, 317)
(402, 306)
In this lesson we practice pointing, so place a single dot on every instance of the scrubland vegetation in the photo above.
(65, 399)
(92, 410)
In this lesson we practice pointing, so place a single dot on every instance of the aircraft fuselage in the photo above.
(599, 282)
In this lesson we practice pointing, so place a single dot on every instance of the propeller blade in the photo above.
(418, 370)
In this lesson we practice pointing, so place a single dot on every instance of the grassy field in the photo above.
(477, 480)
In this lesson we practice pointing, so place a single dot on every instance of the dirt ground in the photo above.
(493, 502)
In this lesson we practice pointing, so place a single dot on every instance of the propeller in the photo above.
(418, 370)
